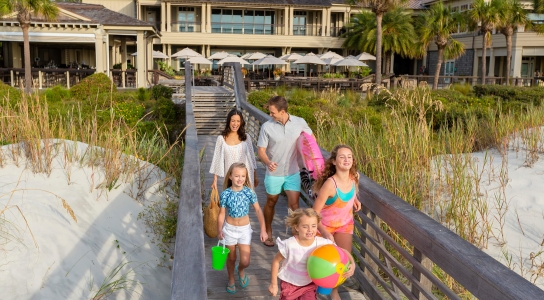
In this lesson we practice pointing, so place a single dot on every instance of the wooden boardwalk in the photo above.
(261, 256)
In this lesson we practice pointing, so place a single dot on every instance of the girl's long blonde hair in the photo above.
(228, 182)
(293, 219)
(330, 169)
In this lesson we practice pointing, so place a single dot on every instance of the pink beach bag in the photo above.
(311, 154)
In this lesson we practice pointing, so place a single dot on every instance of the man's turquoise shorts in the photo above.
(275, 184)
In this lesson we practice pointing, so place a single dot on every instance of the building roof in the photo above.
(410, 4)
(101, 15)
(323, 3)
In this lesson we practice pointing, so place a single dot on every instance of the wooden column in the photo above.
(99, 51)
(163, 16)
(286, 20)
(168, 17)
(140, 59)
(203, 17)
(209, 18)
(291, 19)
(323, 20)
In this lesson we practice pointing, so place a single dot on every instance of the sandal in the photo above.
(243, 282)
(231, 289)
(269, 242)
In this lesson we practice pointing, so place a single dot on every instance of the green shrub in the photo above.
(160, 91)
(129, 111)
(165, 109)
(143, 95)
(464, 89)
(258, 98)
(511, 93)
(10, 93)
(92, 86)
(57, 94)
(305, 112)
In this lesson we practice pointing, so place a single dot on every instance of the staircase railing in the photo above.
(188, 271)
(388, 269)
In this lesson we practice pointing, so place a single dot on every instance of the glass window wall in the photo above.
(243, 21)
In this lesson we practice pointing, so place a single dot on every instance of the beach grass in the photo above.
(418, 145)
(123, 143)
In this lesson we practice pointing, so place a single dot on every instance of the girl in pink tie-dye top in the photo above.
(294, 252)
(337, 197)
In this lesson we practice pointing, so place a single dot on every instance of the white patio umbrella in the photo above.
(199, 60)
(331, 54)
(233, 58)
(291, 57)
(331, 61)
(269, 60)
(309, 59)
(156, 54)
(255, 55)
(186, 53)
(350, 62)
(365, 56)
(218, 55)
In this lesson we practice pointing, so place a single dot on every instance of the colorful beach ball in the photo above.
(326, 265)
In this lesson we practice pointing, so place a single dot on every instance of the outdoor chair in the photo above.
(131, 80)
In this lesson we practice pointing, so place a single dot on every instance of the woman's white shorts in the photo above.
(236, 234)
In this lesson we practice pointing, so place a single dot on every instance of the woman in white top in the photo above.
(234, 145)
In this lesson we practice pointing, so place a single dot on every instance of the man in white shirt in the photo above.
(277, 149)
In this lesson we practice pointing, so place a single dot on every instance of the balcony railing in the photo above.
(186, 27)
(307, 30)
(338, 31)
(247, 28)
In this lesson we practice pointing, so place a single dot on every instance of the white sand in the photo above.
(516, 205)
(72, 259)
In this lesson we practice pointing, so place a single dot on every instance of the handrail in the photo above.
(188, 272)
(408, 273)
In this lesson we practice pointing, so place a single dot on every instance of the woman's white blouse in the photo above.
(225, 155)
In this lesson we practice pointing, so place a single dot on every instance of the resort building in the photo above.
(85, 37)
(102, 35)
(527, 50)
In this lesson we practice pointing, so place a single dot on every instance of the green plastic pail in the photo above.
(219, 257)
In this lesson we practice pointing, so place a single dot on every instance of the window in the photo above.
(464, 7)
(455, 9)
(243, 21)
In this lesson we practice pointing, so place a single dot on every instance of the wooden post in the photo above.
(12, 81)
(123, 78)
(67, 79)
(371, 232)
(425, 282)
(40, 77)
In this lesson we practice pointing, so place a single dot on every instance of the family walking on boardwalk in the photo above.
(329, 221)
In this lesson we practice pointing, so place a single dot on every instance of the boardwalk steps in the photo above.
(211, 105)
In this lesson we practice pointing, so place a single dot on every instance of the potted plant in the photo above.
(277, 73)
(244, 72)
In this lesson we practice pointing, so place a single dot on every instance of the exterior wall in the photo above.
(126, 7)
(463, 64)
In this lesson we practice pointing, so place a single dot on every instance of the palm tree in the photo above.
(379, 8)
(512, 16)
(399, 34)
(437, 25)
(25, 10)
(484, 15)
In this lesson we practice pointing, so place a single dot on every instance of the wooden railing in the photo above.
(400, 265)
(44, 78)
(188, 275)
